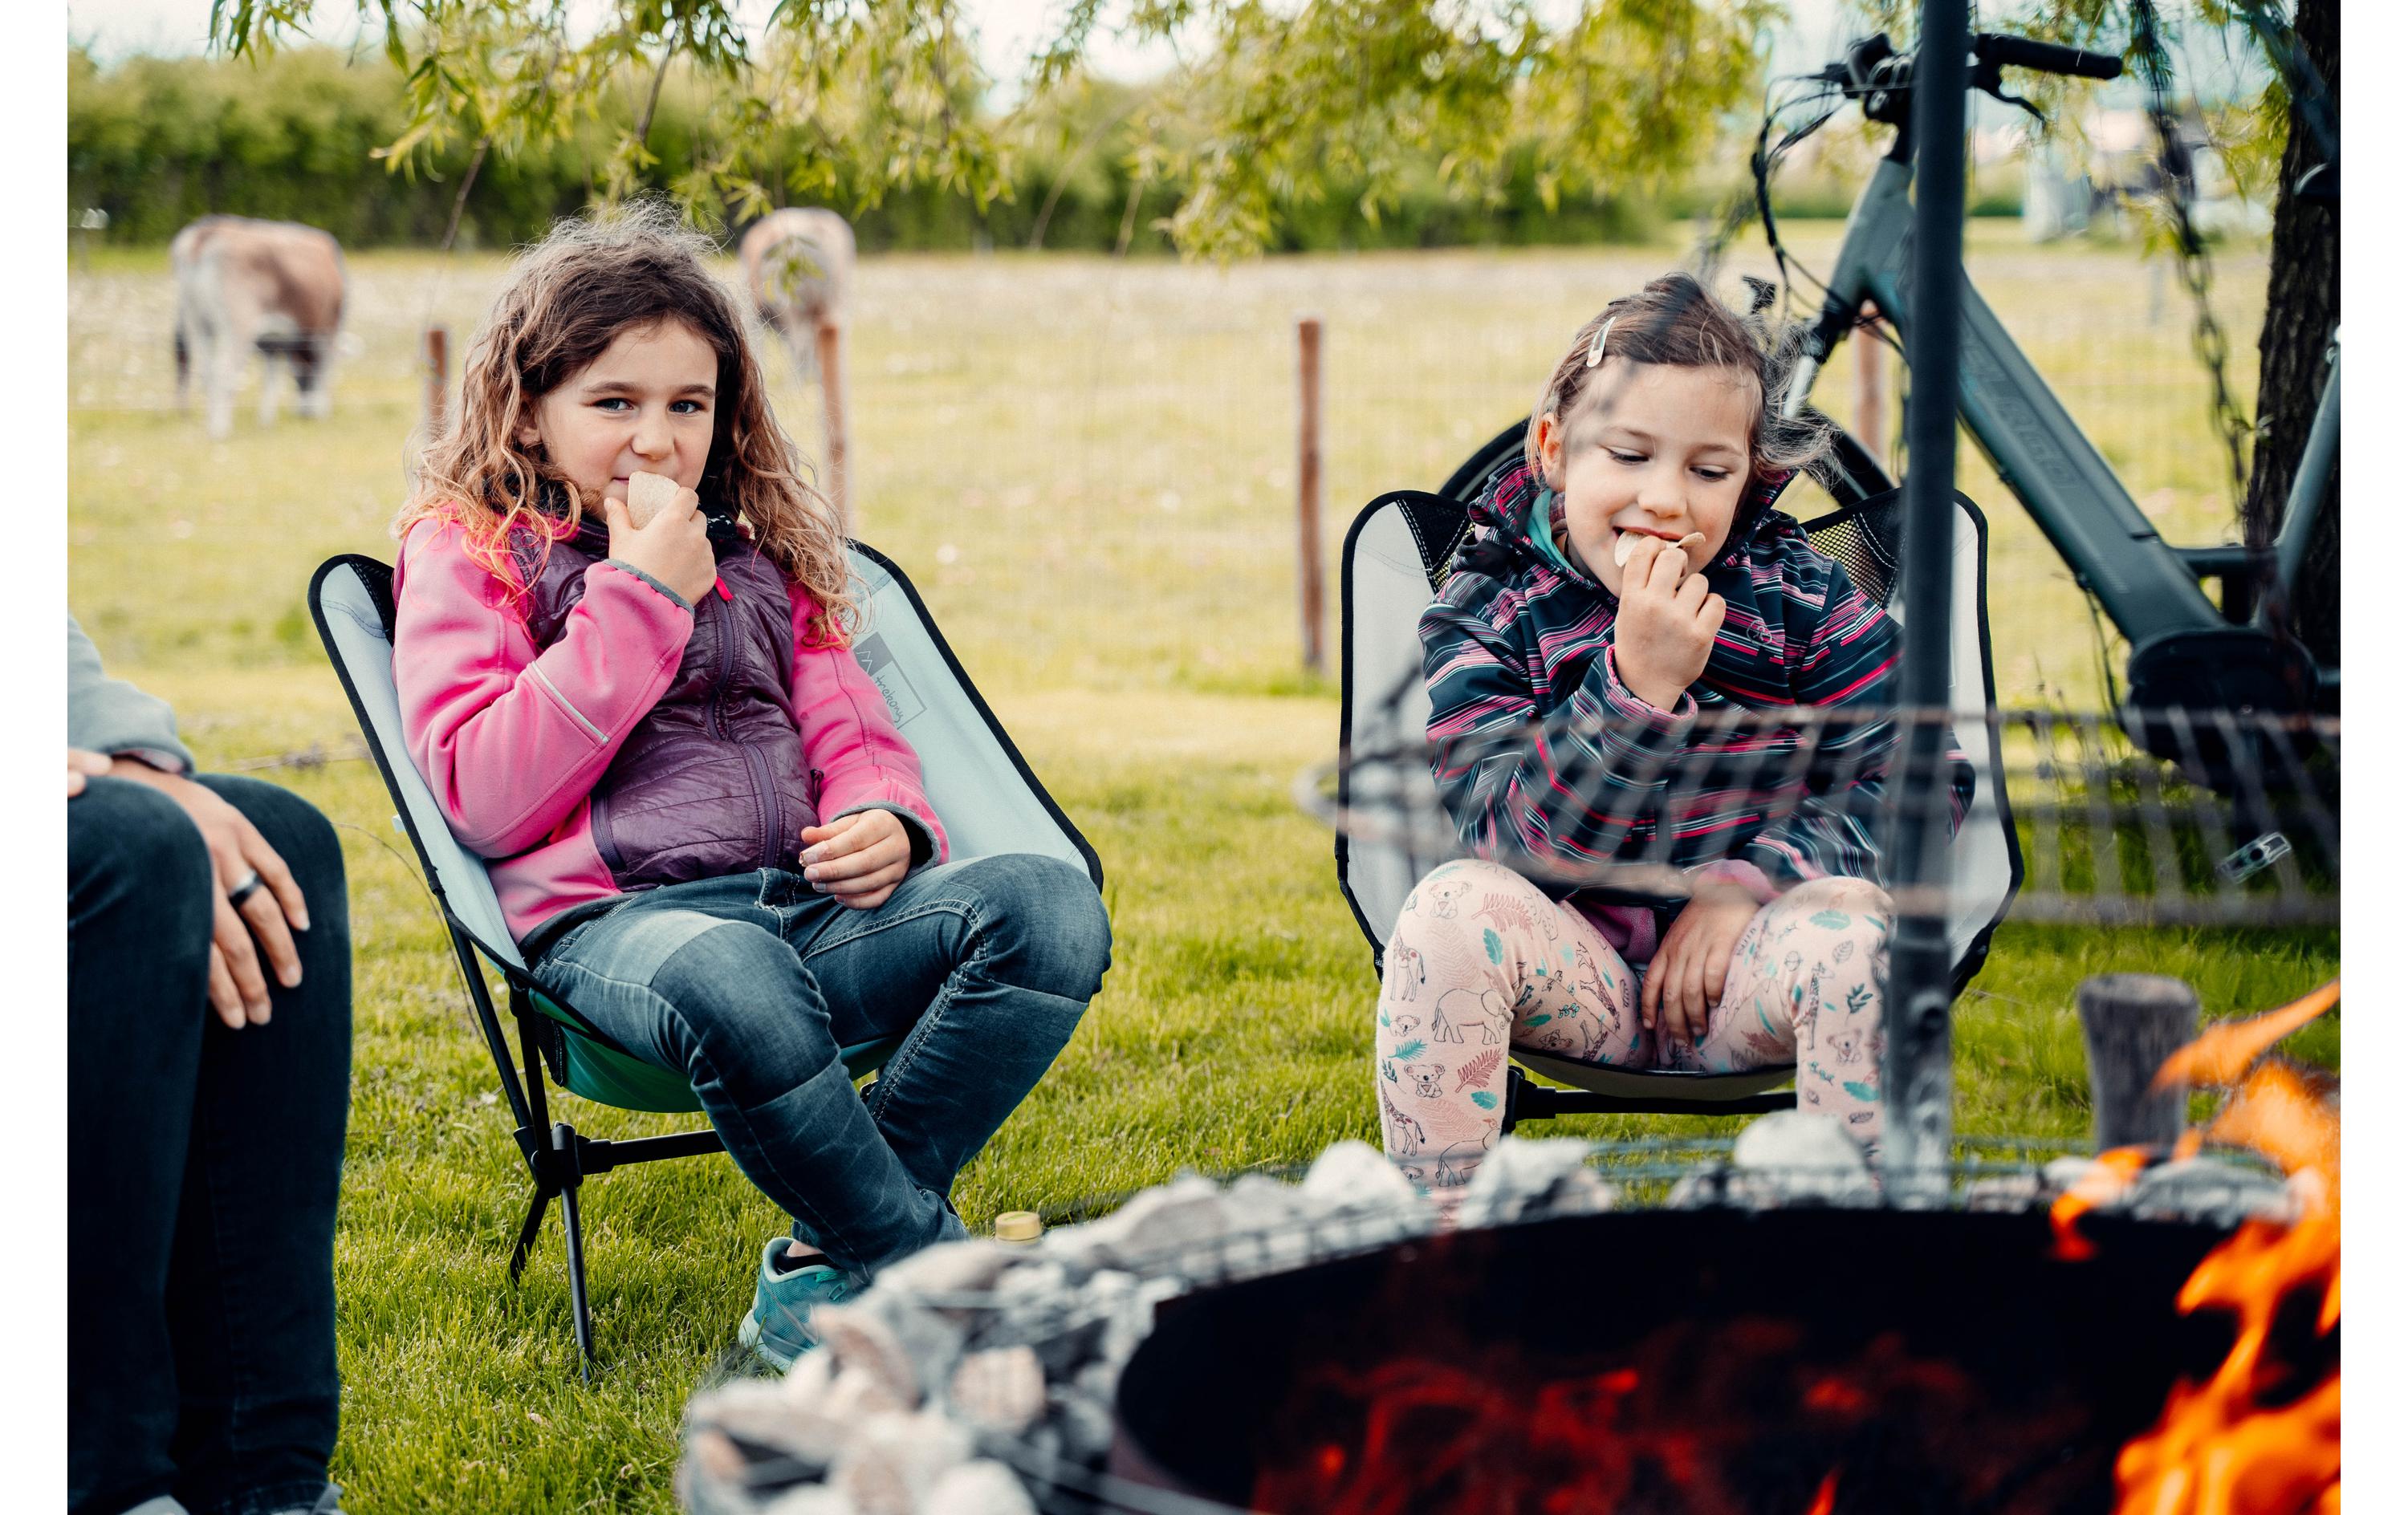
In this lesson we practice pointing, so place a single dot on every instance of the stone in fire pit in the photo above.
(976, 1351)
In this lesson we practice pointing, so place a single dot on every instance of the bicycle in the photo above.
(2189, 650)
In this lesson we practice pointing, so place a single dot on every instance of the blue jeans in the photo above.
(749, 985)
(203, 1165)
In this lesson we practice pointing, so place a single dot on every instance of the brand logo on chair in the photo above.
(903, 702)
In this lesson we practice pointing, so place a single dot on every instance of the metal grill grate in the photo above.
(2243, 830)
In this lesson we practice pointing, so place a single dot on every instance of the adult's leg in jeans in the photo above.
(138, 915)
(700, 979)
(1480, 960)
(985, 967)
(250, 1296)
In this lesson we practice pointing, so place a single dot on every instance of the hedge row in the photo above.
(156, 142)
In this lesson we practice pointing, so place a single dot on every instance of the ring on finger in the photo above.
(251, 884)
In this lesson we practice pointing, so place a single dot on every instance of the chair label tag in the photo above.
(903, 702)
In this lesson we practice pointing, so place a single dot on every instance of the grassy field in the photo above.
(1088, 469)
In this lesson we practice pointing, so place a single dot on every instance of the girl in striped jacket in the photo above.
(1627, 593)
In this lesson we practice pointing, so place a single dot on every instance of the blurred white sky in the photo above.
(2221, 68)
(1008, 30)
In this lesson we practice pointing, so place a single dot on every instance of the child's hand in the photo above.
(673, 547)
(858, 859)
(1666, 627)
(1685, 979)
(83, 765)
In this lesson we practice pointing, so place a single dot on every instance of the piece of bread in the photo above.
(648, 496)
(1628, 543)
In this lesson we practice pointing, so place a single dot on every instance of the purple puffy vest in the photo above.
(711, 780)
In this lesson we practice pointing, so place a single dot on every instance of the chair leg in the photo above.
(527, 1231)
(565, 1149)
(575, 1229)
(1515, 1103)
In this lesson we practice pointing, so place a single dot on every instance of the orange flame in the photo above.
(2110, 1175)
(2223, 1054)
(1825, 1495)
(2222, 1446)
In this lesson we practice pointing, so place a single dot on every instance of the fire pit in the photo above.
(1689, 1363)
(1718, 1326)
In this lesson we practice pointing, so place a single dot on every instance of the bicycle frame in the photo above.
(2150, 589)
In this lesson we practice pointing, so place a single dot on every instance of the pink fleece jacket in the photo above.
(512, 737)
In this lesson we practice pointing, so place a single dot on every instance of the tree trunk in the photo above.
(2302, 305)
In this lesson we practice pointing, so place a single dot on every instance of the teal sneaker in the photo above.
(778, 1330)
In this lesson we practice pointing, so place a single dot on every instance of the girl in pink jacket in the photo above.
(704, 830)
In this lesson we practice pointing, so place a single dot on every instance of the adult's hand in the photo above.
(262, 922)
(1685, 979)
(83, 764)
(859, 859)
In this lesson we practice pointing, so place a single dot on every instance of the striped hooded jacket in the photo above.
(1541, 754)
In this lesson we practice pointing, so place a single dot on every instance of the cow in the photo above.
(797, 264)
(241, 285)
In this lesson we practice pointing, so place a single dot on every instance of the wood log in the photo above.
(2131, 1022)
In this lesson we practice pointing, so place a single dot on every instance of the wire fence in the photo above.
(1018, 419)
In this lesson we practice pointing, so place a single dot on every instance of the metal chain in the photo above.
(2207, 334)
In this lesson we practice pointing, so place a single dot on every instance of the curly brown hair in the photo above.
(1676, 321)
(566, 299)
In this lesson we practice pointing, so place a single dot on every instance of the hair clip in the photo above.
(1597, 343)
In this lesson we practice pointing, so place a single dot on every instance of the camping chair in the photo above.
(974, 777)
(1396, 554)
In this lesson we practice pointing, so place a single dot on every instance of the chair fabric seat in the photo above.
(976, 780)
(974, 777)
(1643, 1083)
(1397, 553)
(595, 1069)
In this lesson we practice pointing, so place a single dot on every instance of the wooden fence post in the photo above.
(1307, 485)
(828, 337)
(1872, 407)
(439, 377)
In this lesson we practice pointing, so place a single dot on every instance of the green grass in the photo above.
(1088, 469)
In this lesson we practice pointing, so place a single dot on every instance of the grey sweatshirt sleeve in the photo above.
(110, 715)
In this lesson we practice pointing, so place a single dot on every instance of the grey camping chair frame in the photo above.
(975, 777)
(1396, 554)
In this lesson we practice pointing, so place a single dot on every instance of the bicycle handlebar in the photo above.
(1871, 66)
(2044, 57)
(1881, 80)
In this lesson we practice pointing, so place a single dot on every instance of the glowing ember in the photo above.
(2251, 1438)
(1703, 1417)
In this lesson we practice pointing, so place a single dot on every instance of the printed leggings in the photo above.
(1480, 960)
